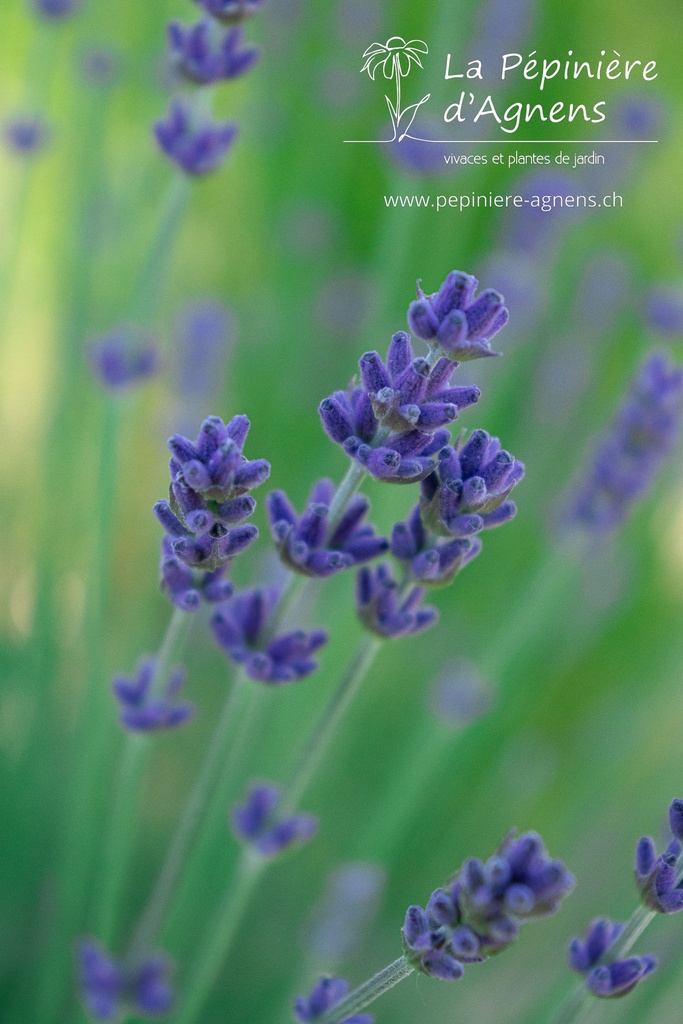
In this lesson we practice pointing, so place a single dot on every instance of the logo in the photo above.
(396, 59)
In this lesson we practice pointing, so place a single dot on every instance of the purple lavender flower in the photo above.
(480, 911)
(240, 627)
(325, 995)
(230, 11)
(303, 542)
(122, 358)
(197, 148)
(208, 497)
(468, 491)
(203, 334)
(663, 311)
(430, 562)
(657, 876)
(607, 980)
(199, 56)
(629, 456)
(56, 9)
(453, 322)
(393, 423)
(257, 823)
(346, 910)
(459, 695)
(186, 588)
(109, 988)
(26, 134)
(140, 709)
(388, 610)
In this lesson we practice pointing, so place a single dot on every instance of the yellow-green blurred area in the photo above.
(583, 742)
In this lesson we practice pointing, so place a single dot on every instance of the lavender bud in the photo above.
(197, 149)
(256, 822)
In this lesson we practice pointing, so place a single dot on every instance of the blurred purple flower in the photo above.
(108, 989)
(324, 996)
(100, 65)
(56, 9)
(459, 695)
(346, 910)
(663, 312)
(230, 11)
(612, 979)
(26, 134)
(199, 56)
(256, 822)
(142, 710)
(204, 332)
(657, 876)
(197, 148)
(122, 358)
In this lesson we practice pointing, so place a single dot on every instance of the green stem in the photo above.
(581, 1000)
(353, 478)
(319, 741)
(119, 840)
(366, 993)
(152, 275)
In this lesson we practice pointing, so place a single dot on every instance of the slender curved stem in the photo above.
(353, 478)
(370, 990)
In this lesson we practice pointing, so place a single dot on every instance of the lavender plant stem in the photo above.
(578, 1005)
(120, 834)
(353, 478)
(370, 990)
(147, 290)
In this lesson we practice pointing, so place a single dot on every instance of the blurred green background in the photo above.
(583, 741)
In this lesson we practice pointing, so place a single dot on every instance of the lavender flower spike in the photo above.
(257, 823)
(385, 610)
(110, 989)
(630, 455)
(657, 876)
(199, 57)
(325, 995)
(185, 587)
(480, 911)
(431, 563)
(231, 11)
(608, 980)
(239, 627)
(453, 322)
(394, 422)
(469, 490)
(208, 498)
(139, 710)
(196, 148)
(120, 359)
(303, 542)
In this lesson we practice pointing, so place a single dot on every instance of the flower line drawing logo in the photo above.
(396, 58)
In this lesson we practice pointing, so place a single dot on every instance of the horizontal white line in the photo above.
(510, 142)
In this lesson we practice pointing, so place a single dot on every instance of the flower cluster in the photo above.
(186, 588)
(480, 910)
(208, 501)
(608, 980)
(467, 492)
(109, 988)
(629, 456)
(325, 995)
(429, 561)
(240, 627)
(256, 822)
(454, 323)
(656, 876)
(141, 709)
(199, 55)
(308, 546)
(202, 55)
(122, 358)
(393, 422)
(389, 610)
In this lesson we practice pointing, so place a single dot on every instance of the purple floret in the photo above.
(306, 544)
(430, 562)
(141, 709)
(199, 56)
(325, 995)
(257, 823)
(240, 628)
(455, 323)
(110, 989)
(657, 876)
(388, 610)
(197, 148)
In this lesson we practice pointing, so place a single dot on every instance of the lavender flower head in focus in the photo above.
(480, 910)
(197, 146)
(604, 978)
(110, 989)
(657, 876)
(257, 823)
(453, 322)
(629, 457)
(324, 996)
